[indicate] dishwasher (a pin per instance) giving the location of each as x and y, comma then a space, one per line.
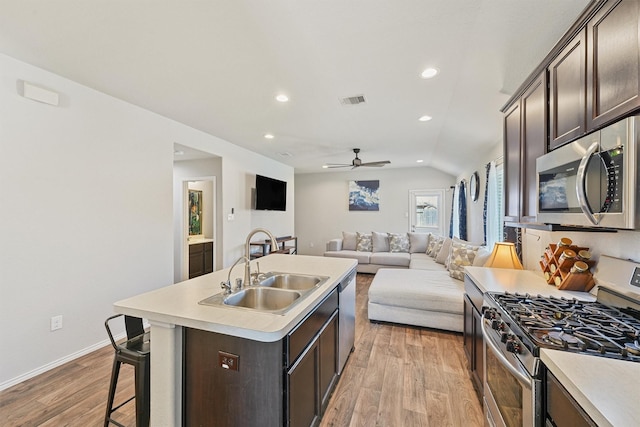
346, 318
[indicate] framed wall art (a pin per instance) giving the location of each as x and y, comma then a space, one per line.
364, 195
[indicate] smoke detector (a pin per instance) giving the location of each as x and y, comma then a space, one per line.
353, 100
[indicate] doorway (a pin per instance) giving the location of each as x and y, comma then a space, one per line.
427, 211
199, 226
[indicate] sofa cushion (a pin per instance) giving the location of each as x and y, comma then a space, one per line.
349, 240
363, 242
362, 257
400, 259
424, 290
424, 262
461, 256
379, 241
399, 242
482, 256
418, 242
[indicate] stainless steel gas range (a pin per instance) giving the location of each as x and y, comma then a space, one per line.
516, 327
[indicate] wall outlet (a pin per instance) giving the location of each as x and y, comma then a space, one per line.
228, 361
56, 322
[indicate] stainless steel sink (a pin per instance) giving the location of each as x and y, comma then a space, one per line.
265, 299
298, 282
276, 293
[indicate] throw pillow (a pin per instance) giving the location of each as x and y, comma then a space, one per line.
433, 241
442, 256
481, 257
363, 242
461, 256
437, 247
418, 242
399, 242
349, 241
380, 241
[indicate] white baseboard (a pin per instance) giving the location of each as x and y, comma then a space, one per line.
56, 363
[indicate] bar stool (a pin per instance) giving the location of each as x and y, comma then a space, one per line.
136, 352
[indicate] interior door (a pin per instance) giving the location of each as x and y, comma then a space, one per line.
427, 211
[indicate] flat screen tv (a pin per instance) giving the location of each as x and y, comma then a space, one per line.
271, 194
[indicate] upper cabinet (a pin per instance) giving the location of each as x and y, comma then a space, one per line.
525, 139
567, 93
613, 62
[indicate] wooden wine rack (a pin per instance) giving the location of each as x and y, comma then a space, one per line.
552, 267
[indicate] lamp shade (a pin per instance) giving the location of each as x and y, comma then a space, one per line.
504, 256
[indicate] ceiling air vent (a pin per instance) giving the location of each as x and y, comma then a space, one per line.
353, 100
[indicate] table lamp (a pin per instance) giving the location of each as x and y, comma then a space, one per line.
504, 256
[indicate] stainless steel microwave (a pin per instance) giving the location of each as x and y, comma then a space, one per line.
592, 182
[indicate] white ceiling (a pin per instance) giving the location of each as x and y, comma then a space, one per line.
217, 65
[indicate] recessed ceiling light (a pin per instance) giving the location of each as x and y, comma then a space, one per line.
285, 154
268, 136
325, 166
178, 153
425, 118
282, 98
419, 161
429, 73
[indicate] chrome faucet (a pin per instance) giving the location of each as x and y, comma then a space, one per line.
227, 285
247, 252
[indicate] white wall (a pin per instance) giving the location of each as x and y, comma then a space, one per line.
86, 216
322, 203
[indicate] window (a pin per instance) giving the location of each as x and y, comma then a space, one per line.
427, 213
495, 203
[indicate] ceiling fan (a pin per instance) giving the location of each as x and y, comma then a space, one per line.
357, 162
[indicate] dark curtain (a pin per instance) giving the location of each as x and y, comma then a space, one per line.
453, 195
462, 210
484, 209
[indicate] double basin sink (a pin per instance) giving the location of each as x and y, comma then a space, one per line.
275, 293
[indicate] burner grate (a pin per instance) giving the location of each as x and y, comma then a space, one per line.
573, 325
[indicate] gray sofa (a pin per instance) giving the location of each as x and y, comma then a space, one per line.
421, 287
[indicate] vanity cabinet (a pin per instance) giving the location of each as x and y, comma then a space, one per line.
282, 383
472, 334
200, 259
525, 139
613, 62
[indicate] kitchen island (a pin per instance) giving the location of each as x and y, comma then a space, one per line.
174, 309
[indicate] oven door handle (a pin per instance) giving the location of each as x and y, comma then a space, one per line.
523, 378
581, 184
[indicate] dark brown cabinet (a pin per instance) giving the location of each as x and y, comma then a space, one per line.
561, 409
525, 139
200, 259
567, 74
472, 334
312, 377
613, 62
282, 383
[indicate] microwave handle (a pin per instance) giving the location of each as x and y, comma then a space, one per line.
581, 184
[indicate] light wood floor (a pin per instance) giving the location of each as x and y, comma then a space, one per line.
397, 376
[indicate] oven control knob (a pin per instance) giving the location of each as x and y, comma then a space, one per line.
495, 324
504, 337
489, 314
513, 346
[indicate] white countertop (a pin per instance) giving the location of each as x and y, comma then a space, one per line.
195, 241
178, 304
519, 281
607, 389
